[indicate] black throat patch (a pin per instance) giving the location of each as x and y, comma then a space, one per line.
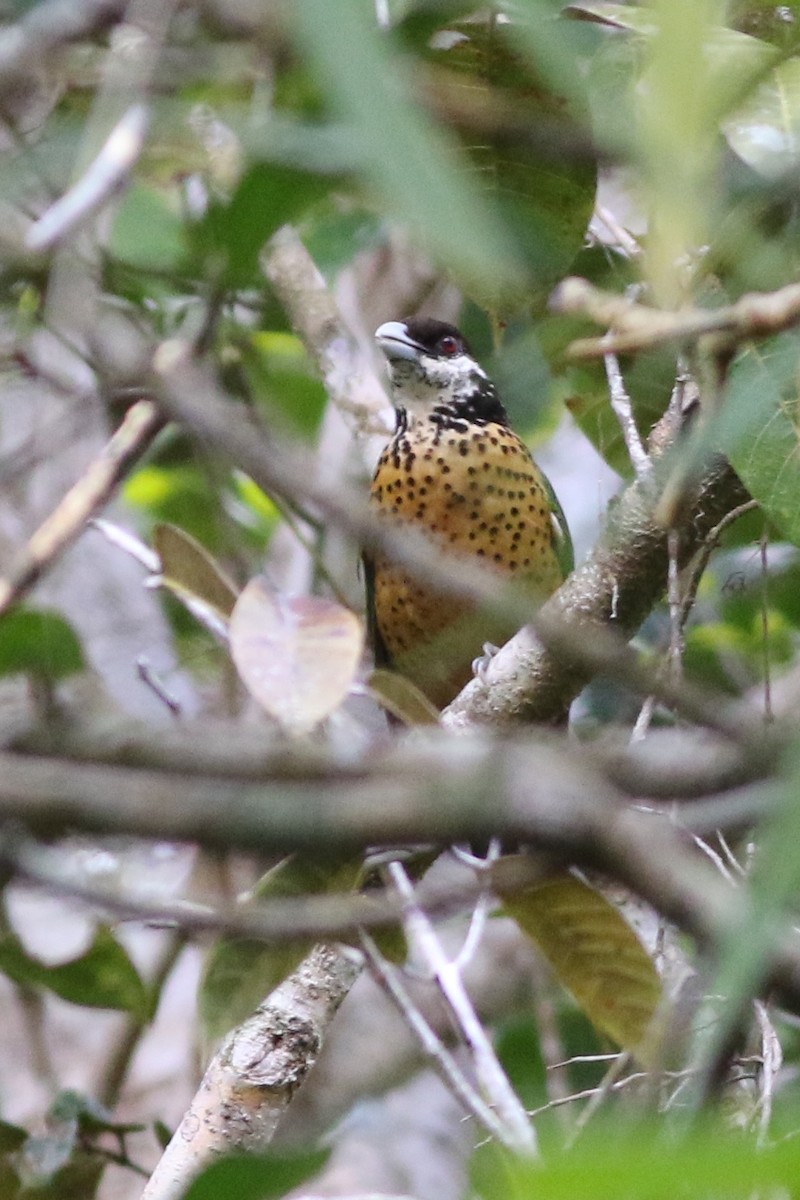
478, 406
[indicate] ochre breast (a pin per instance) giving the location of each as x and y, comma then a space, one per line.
479, 494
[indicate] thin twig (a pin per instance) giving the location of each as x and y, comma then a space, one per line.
278, 920
643, 720
481, 910
519, 1133
111, 1075
150, 678
608, 1084
388, 978
621, 404
676, 642
771, 1063
101, 180
128, 543
700, 562
769, 715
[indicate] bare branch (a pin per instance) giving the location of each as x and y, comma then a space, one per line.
315, 316
97, 185
141, 424
251, 1080
621, 404
637, 327
386, 975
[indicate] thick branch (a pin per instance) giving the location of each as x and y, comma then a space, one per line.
251, 1080
615, 589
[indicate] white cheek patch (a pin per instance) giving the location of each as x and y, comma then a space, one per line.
433, 381
453, 374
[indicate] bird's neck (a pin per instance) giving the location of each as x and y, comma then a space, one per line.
472, 401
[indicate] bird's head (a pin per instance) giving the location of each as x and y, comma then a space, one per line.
433, 373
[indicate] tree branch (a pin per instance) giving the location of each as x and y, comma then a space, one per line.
251, 1080
610, 594
94, 488
638, 327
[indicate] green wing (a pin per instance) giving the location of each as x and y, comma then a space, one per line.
379, 652
565, 551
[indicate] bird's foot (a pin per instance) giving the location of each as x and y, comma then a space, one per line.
480, 665
478, 858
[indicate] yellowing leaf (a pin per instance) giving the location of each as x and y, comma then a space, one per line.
189, 570
297, 655
595, 953
401, 698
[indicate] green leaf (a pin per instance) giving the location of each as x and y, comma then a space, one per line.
765, 129
415, 165
280, 375
594, 953
758, 429
11, 1137
401, 698
102, 977
229, 238
178, 494
92, 1117
545, 199
254, 1177
240, 972
148, 233
39, 642
610, 1164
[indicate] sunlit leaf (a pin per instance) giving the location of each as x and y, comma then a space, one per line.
765, 130
178, 494
102, 977
594, 953
609, 1163
297, 655
280, 376
39, 642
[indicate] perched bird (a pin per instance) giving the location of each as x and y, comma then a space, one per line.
456, 470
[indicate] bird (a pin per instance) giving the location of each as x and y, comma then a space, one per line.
455, 470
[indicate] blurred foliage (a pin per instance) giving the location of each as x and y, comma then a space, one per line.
482, 139
239, 971
40, 644
255, 1177
102, 977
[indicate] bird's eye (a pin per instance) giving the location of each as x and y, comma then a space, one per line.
449, 345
